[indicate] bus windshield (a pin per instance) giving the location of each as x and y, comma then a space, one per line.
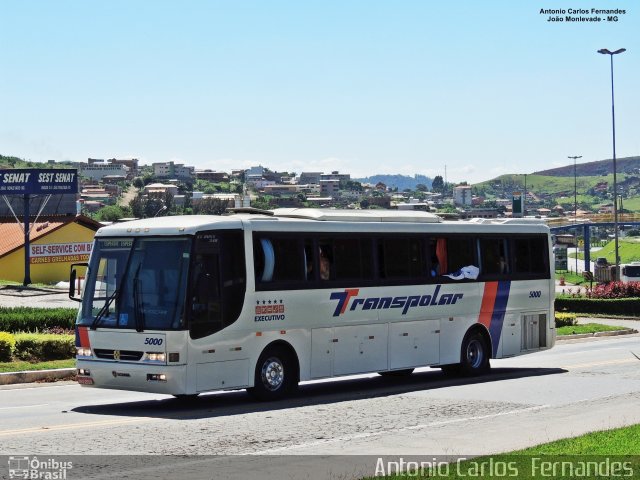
137, 283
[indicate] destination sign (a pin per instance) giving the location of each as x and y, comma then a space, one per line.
38, 181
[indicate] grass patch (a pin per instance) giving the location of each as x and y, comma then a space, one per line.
571, 277
587, 328
619, 441
628, 249
23, 366
620, 445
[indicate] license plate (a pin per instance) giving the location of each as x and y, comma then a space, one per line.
85, 380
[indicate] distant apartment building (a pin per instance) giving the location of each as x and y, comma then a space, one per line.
335, 175
131, 164
329, 188
96, 171
173, 170
211, 176
310, 178
159, 190
462, 195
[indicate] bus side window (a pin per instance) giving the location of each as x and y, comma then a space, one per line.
494, 256
278, 260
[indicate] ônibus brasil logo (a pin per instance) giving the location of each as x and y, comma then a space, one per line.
350, 295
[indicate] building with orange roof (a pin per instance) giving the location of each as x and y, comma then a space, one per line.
55, 243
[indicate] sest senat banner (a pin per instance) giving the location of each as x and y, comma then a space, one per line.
38, 181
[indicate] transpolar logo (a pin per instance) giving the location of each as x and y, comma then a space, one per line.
348, 299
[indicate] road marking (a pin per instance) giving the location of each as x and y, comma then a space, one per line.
25, 406
398, 430
599, 364
52, 428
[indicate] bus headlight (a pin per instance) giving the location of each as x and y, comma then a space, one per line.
83, 352
160, 357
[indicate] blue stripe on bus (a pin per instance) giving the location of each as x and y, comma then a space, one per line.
499, 310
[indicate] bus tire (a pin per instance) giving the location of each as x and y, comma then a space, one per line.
397, 373
275, 375
474, 358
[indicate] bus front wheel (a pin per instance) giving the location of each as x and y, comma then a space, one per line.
275, 375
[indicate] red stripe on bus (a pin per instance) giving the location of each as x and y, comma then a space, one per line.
350, 293
488, 302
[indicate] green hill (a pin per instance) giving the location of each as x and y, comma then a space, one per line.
628, 165
15, 162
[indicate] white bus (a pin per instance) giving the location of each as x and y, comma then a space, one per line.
630, 272
184, 305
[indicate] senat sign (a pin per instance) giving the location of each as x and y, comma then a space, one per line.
35, 181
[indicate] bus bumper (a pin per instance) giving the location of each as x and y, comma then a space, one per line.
168, 379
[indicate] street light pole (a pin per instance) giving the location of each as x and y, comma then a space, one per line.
575, 204
524, 197
575, 189
604, 51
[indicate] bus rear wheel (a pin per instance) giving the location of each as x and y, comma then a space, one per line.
275, 375
474, 359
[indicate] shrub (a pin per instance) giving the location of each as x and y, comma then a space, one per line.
607, 306
41, 347
565, 319
30, 319
7, 345
616, 290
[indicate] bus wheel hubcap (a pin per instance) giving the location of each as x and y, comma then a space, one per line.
272, 374
475, 354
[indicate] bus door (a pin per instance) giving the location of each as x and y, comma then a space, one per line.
217, 286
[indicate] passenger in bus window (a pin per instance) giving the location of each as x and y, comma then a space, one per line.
435, 266
502, 263
325, 264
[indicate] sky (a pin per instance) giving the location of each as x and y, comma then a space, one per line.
467, 89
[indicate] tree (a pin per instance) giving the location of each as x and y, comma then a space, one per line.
438, 184
138, 182
111, 213
146, 207
421, 187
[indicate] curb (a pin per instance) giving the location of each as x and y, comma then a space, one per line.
11, 378
612, 333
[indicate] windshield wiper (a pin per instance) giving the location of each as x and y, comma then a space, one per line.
139, 310
104, 309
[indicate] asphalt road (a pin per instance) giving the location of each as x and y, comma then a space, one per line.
577, 387
11, 296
